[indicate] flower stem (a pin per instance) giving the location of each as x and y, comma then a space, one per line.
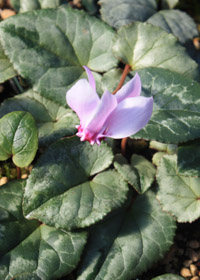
18, 172
123, 145
127, 69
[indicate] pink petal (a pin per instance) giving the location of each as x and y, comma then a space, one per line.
107, 104
130, 89
129, 117
83, 99
90, 77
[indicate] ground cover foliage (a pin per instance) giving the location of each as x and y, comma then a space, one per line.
88, 212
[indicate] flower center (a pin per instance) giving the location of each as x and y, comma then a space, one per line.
89, 136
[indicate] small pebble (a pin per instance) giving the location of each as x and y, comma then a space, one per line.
6, 13
194, 256
195, 278
187, 263
185, 272
194, 244
3, 181
194, 270
24, 176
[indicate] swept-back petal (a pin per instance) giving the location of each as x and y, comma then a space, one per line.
130, 89
129, 117
83, 99
90, 77
107, 104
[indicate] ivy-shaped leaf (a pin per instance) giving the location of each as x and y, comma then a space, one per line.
30, 251
122, 12
53, 121
18, 138
61, 192
49, 47
6, 69
178, 194
143, 45
176, 112
176, 22
47, 253
139, 173
127, 244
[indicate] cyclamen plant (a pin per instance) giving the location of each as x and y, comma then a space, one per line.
115, 116
72, 210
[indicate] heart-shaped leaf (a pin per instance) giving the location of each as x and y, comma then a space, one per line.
18, 138
176, 112
61, 192
168, 277
176, 22
49, 47
139, 173
178, 194
53, 121
29, 251
47, 253
143, 45
188, 159
13, 227
129, 243
176, 116
122, 12
6, 69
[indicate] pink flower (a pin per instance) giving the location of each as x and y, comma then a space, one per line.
116, 116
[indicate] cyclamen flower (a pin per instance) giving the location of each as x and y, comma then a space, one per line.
115, 116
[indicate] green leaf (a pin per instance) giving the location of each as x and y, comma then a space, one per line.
31, 5
53, 121
169, 4
139, 173
188, 159
47, 253
143, 45
128, 244
30, 252
49, 47
61, 192
18, 138
176, 22
168, 277
13, 227
90, 6
15, 4
6, 69
122, 12
176, 112
178, 194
